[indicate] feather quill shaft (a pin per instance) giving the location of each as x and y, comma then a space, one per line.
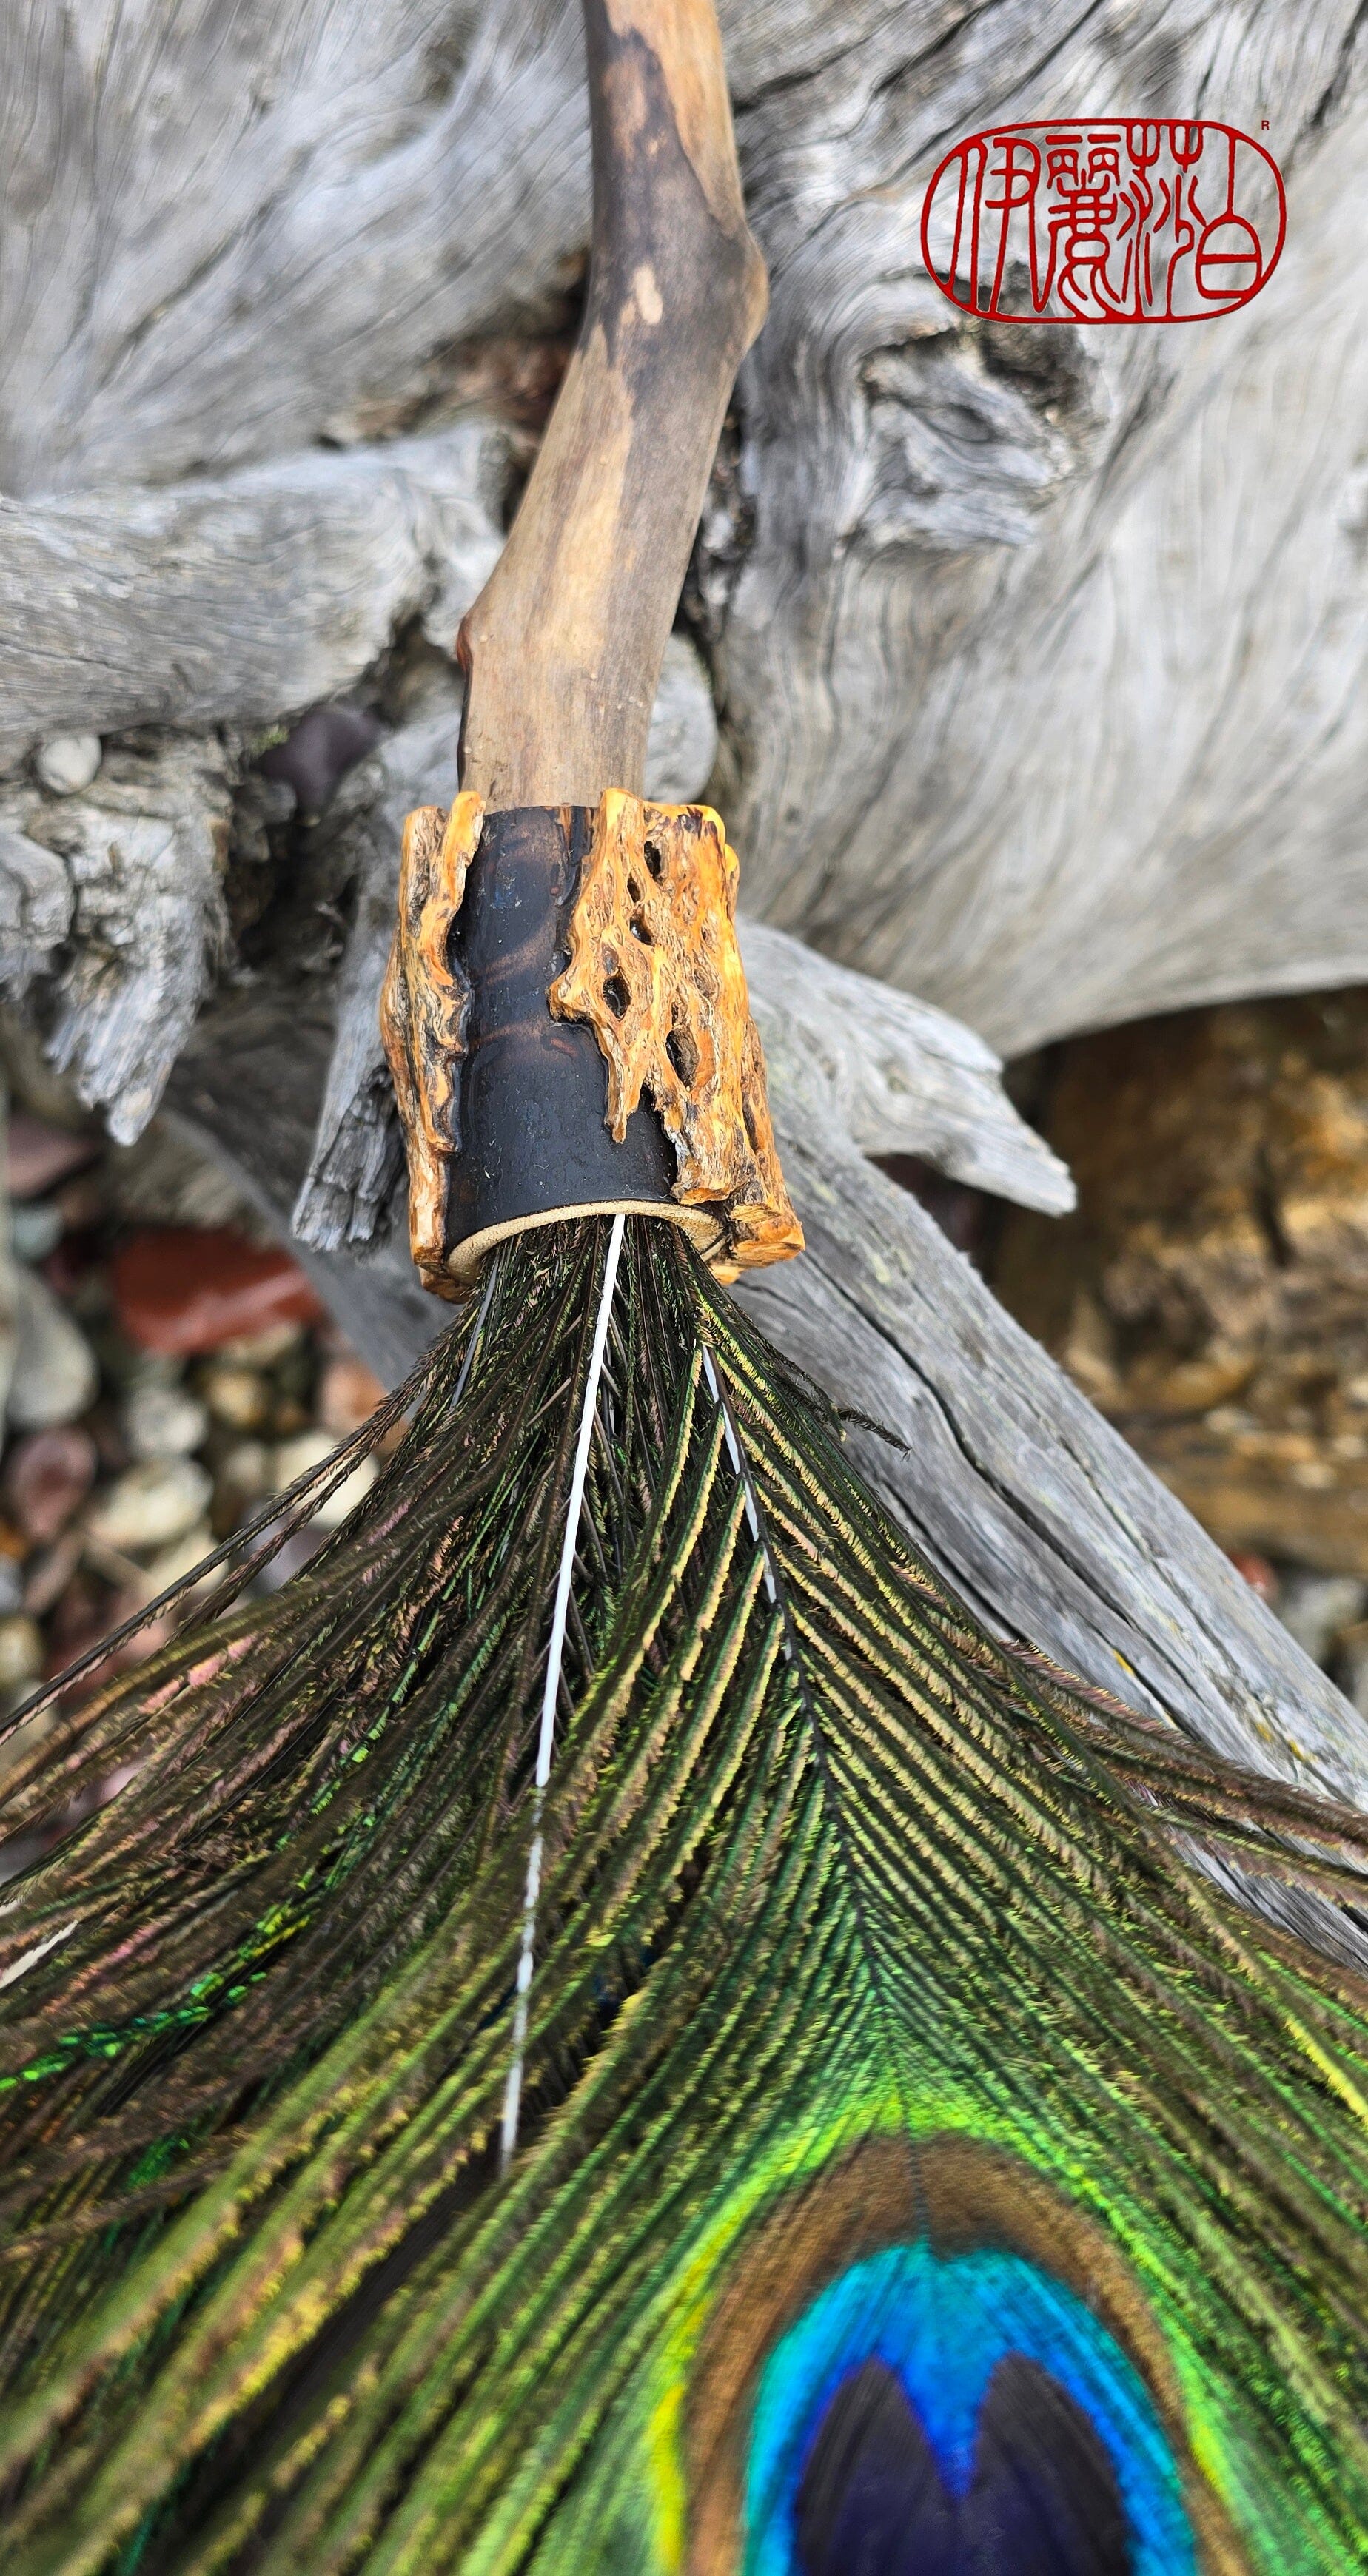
555, 1655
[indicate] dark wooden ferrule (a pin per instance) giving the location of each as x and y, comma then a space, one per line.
532, 1145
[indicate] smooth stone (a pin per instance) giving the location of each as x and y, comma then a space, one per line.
47, 1577
315, 757
48, 1475
38, 1155
67, 762
172, 1564
244, 1476
262, 1350
21, 1650
299, 1456
151, 1504
161, 1421
35, 1230
236, 1396
348, 1393
55, 1375
310, 1449
185, 1289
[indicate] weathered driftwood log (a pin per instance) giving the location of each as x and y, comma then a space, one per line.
230, 244
229, 240
235, 599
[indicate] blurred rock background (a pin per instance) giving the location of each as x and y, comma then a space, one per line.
1210, 1292
164, 1367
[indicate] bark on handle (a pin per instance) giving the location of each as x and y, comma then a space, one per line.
562, 649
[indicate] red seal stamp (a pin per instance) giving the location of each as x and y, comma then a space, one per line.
1104, 219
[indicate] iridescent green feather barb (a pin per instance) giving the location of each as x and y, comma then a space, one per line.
865, 1963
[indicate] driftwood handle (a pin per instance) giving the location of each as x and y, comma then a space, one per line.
555, 932
562, 649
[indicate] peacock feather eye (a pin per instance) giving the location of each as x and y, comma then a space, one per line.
1041, 2498
965, 2412
927, 2362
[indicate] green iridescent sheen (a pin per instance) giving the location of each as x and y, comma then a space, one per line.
823, 1863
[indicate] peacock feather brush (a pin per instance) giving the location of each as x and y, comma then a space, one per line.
609, 2026
825, 2118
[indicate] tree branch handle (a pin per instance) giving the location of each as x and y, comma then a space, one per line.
562, 649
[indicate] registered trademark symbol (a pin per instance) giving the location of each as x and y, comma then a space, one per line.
1263, 125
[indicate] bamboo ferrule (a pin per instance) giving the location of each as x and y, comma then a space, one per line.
567, 1023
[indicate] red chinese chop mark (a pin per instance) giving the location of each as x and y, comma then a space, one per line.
1108, 219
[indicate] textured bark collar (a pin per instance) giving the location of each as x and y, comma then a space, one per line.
569, 1031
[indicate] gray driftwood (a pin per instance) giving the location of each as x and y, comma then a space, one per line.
1038, 668
1039, 657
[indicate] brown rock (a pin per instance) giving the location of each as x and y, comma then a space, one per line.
1257, 1572
1211, 1291
47, 1478
183, 1288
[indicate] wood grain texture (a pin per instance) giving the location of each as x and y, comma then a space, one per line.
562, 650
238, 599
1017, 708
424, 1006
1091, 612
119, 893
655, 970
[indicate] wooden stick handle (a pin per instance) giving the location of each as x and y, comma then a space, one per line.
562, 649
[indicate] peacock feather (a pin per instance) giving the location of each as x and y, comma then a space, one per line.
612, 2028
